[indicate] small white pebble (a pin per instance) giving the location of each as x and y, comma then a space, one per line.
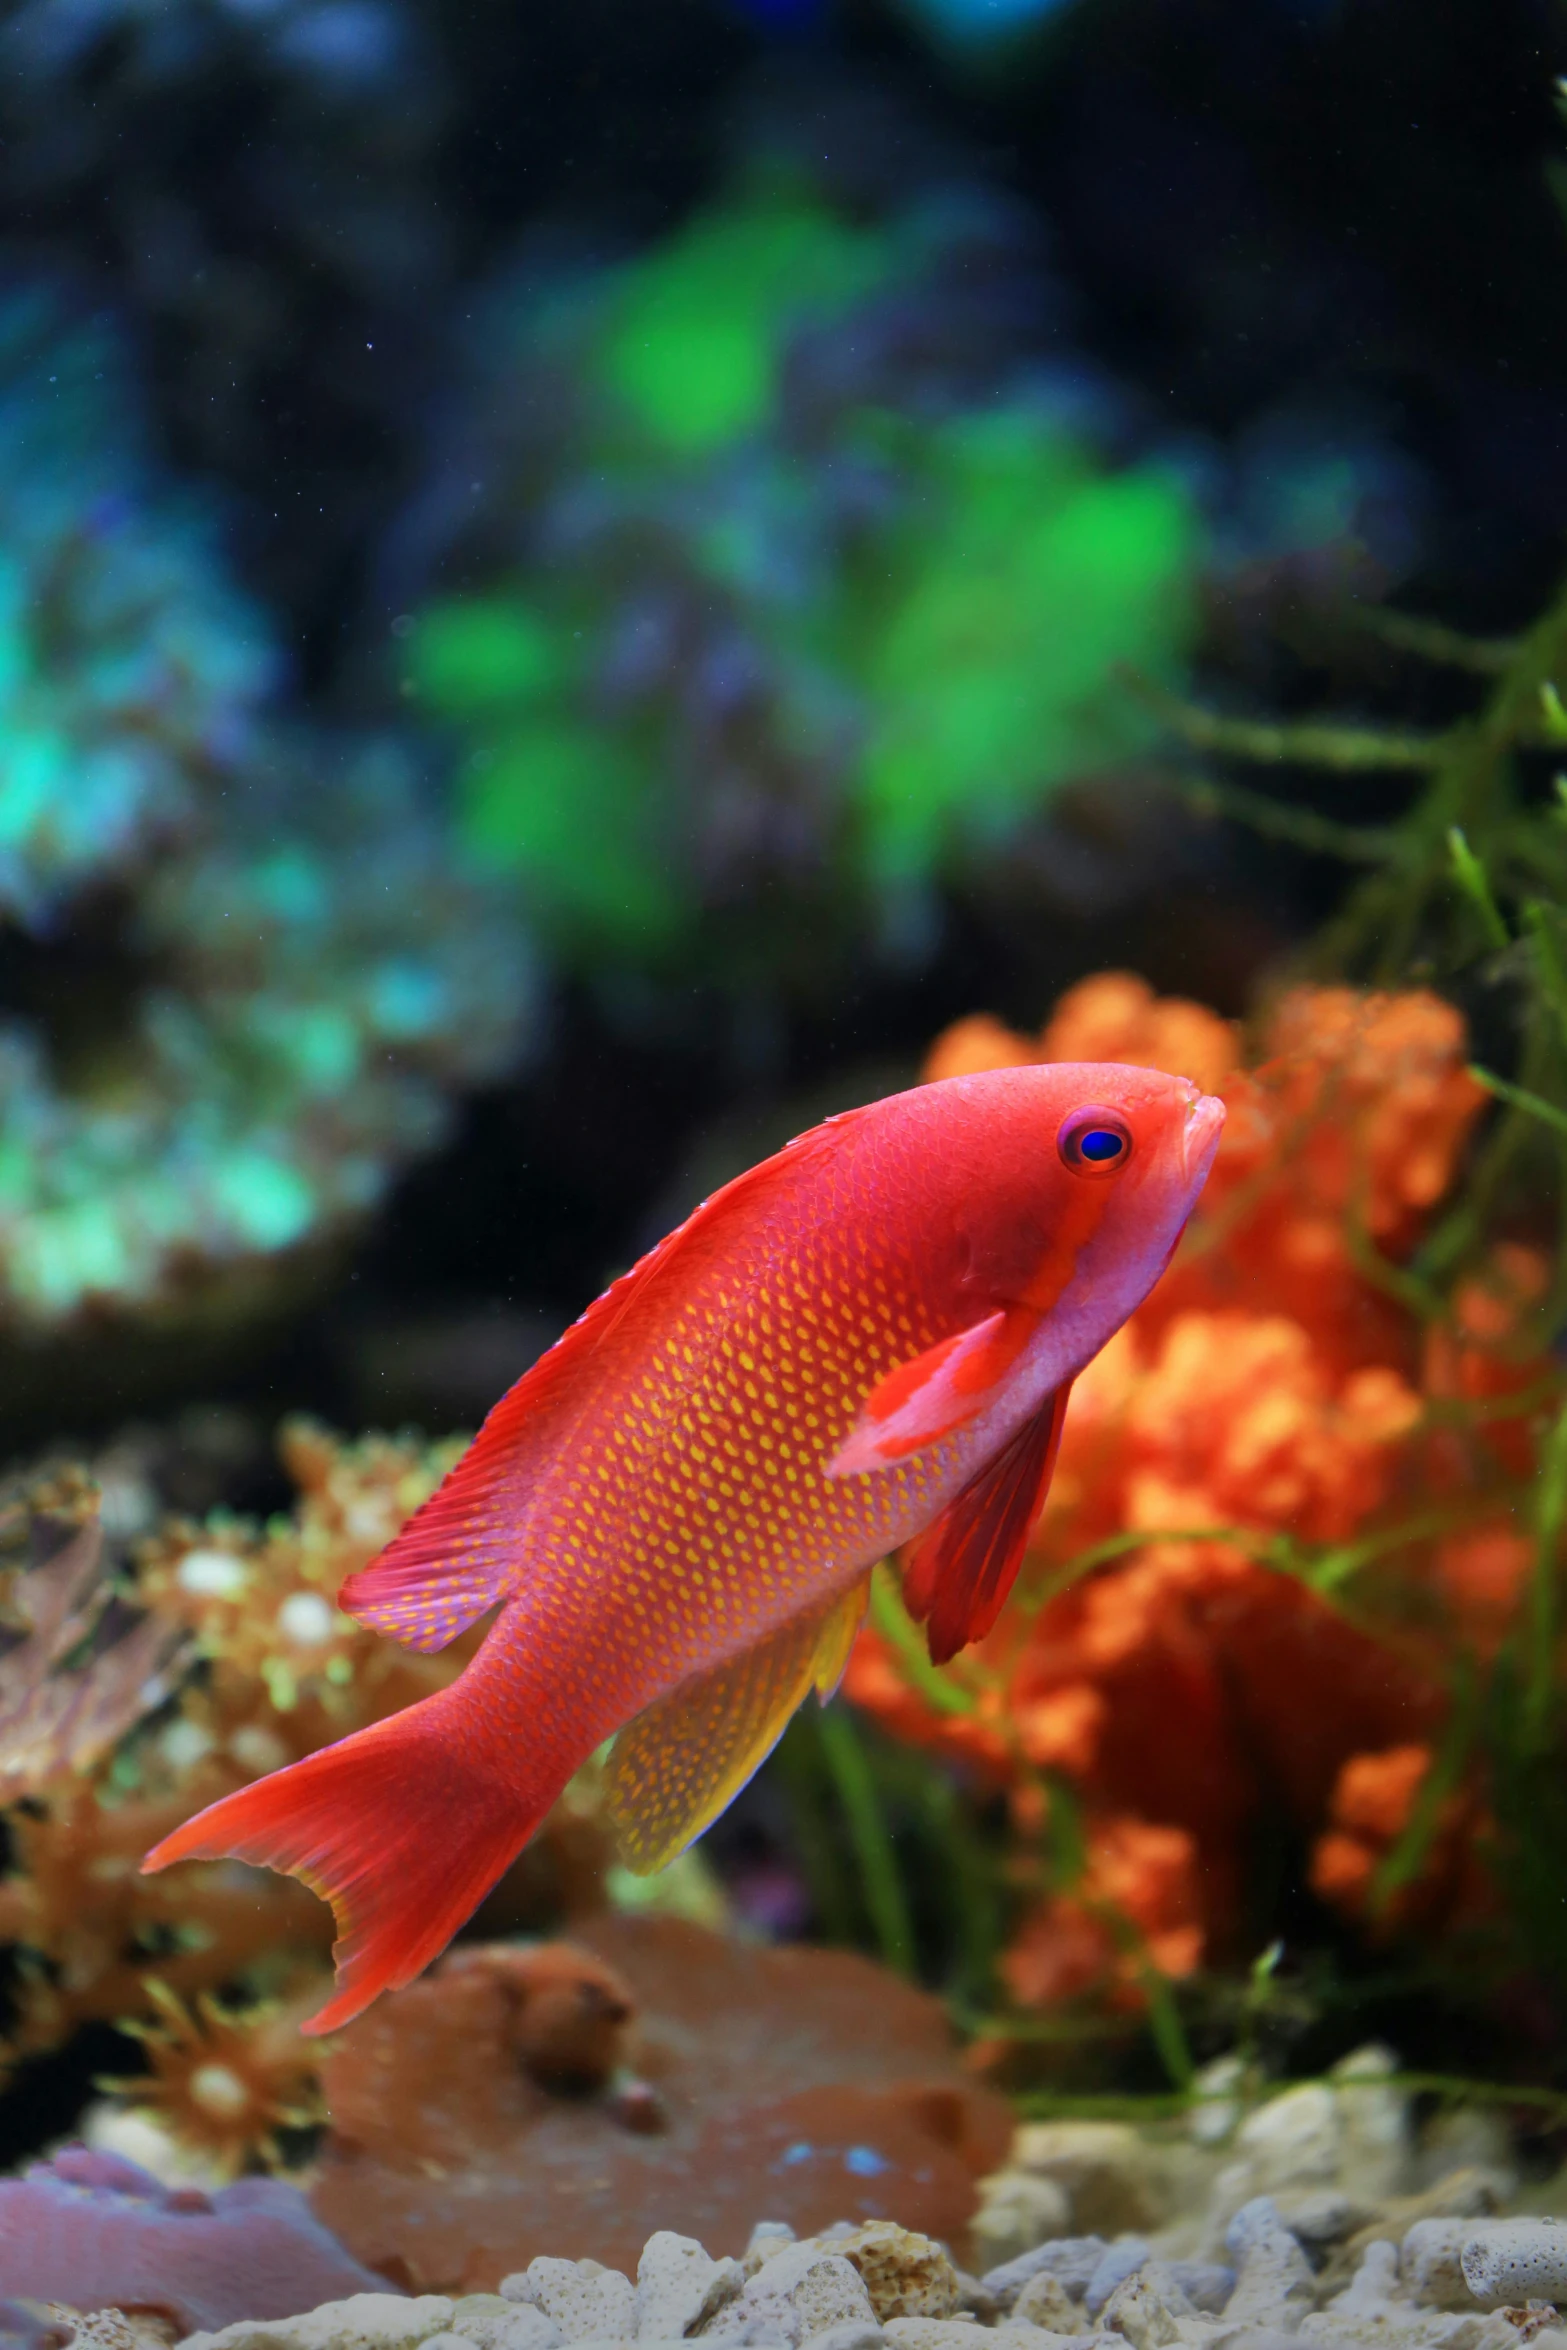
185, 1743
257, 1748
305, 1619
212, 1574
1517, 2260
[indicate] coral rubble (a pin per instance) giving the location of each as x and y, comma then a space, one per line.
800, 2084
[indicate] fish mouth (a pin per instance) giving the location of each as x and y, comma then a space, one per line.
1200, 1137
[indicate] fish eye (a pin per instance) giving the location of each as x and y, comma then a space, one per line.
1094, 1141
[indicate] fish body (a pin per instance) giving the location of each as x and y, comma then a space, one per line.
863, 1343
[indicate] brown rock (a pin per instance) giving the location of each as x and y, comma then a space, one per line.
568, 2011
796, 2084
905, 2275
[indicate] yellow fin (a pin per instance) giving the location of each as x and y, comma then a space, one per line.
674, 1768
840, 1629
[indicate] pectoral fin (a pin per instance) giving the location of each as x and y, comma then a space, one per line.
961, 1571
673, 1770
941, 1390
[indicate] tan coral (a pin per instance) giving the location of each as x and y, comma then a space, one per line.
226, 2082
87, 1927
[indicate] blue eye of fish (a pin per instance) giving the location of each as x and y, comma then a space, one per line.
1094, 1141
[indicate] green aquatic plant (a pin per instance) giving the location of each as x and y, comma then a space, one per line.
794, 595
1465, 885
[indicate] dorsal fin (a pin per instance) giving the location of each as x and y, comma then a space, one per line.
673, 1769
961, 1571
458, 1554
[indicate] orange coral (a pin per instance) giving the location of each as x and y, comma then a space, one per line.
1117, 1017
1138, 1875
1271, 1407
1373, 1801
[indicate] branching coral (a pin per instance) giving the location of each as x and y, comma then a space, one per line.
1284, 1502
275, 973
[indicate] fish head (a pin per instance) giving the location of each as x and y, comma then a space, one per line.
1097, 1167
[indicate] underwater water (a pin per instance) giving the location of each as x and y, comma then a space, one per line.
783, 1156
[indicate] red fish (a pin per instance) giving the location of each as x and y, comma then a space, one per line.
865, 1342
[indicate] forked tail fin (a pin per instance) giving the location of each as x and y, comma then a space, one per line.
402, 1828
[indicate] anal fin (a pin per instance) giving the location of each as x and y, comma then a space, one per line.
682, 1760
957, 1575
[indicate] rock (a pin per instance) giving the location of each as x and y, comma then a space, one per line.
806, 2085
1345, 2138
906, 2275
1535, 2322
1206, 2284
950, 2333
1115, 2265
1257, 2338
584, 2299
1143, 2314
1466, 2193
1393, 2325
1293, 2141
1468, 2138
365, 2321
1045, 2301
1274, 2286
853, 2336
1016, 2213
570, 2011
976, 2298
1324, 2218
767, 2237
680, 2287
1517, 2260
1109, 2175
1218, 2107
1376, 2158
1072, 2259
495, 2322
933, 2333
802, 2291
98, 2329
1374, 2283
1430, 2262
